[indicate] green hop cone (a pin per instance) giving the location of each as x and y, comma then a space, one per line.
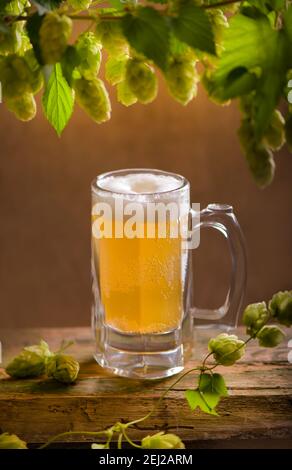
17, 76
275, 135
110, 34
281, 307
10, 39
182, 79
125, 95
115, 69
63, 368
54, 33
80, 4
13, 7
254, 317
24, 106
270, 336
288, 131
162, 441
89, 50
141, 80
11, 441
31, 362
93, 97
259, 159
226, 349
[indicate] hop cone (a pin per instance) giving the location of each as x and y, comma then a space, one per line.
270, 336
89, 51
162, 441
11, 441
63, 368
54, 33
275, 135
281, 307
141, 80
31, 362
111, 36
226, 349
254, 317
24, 107
182, 80
93, 98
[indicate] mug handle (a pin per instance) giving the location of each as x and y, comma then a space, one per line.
222, 218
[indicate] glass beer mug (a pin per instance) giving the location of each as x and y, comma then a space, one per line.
143, 311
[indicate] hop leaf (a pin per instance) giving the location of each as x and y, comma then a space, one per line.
141, 80
162, 441
63, 368
281, 307
274, 136
93, 98
226, 349
11, 441
270, 336
89, 50
255, 316
24, 107
31, 362
111, 36
182, 79
54, 33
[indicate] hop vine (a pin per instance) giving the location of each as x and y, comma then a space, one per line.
236, 49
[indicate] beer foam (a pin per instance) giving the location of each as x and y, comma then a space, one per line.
140, 183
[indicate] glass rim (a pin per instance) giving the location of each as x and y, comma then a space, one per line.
97, 189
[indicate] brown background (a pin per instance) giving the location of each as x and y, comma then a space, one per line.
45, 203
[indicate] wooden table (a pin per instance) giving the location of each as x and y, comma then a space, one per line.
258, 412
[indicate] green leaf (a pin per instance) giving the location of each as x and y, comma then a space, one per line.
192, 26
58, 100
252, 47
213, 383
197, 399
148, 33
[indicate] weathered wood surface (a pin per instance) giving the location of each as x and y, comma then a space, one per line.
259, 406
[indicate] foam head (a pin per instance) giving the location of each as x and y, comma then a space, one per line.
140, 183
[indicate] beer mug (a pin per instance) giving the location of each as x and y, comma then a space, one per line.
143, 311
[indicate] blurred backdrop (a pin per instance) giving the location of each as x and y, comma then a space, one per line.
45, 203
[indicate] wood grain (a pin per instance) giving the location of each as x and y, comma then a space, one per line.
259, 406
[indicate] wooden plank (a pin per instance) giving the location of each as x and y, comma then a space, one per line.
259, 405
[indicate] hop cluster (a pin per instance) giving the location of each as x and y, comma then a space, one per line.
93, 98
89, 51
162, 441
182, 79
63, 368
254, 317
111, 36
54, 33
31, 362
281, 307
11, 441
141, 80
226, 349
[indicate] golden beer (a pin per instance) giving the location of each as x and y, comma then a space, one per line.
140, 282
